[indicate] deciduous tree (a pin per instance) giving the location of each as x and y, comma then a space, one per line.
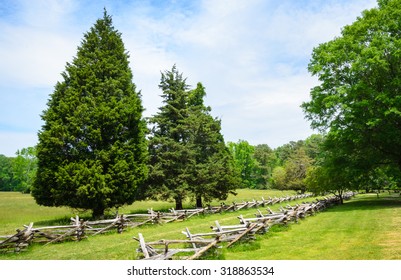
243, 154
358, 98
24, 168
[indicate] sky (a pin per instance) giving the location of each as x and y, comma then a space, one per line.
250, 55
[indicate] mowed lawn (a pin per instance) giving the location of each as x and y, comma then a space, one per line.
17, 209
365, 227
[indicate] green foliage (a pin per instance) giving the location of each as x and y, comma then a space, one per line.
282, 168
295, 170
243, 154
284, 152
266, 160
358, 97
278, 179
336, 173
92, 148
18, 173
292, 174
188, 156
214, 174
170, 152
6, 173
24, 169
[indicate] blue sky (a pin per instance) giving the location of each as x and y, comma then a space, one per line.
251, 55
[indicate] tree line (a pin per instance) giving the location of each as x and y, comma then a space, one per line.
17, 173
284, 167
256, 166
292, 166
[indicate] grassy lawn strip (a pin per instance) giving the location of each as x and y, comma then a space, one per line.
18, 209
365, 227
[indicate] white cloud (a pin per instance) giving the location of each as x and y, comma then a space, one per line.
33, 57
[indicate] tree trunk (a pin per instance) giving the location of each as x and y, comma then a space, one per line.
178, 203
98, 213
199, 202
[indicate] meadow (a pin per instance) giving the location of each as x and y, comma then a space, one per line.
364, 228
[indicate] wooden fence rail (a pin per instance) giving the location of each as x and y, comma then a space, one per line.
245, 230
80, 229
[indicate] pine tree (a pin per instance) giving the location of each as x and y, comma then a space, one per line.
188, 156
92, 151
170, 156
214, 174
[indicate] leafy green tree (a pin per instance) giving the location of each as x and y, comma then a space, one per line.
284, 152
24, 168
313, 146
295, 170
358, 98
278, 179
336, 175
6, 174
92, 151
266, 160
380, 178
245, 162
292, 174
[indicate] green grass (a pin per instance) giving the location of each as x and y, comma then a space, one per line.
17, 209
365, 227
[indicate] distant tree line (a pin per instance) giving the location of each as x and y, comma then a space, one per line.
284, 167
17, 173
297, 165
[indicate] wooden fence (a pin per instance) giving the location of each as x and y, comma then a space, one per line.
80, 229
200, 243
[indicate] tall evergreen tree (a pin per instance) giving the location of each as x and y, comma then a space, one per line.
92, 151
170, 154
188, 157
214, 174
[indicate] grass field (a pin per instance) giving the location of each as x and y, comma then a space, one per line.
364, 228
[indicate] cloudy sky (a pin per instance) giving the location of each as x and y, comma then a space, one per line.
251, 55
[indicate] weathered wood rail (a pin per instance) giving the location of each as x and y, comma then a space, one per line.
80, 229
245, 230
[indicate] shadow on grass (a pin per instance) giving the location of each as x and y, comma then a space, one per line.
368, 202
54, 222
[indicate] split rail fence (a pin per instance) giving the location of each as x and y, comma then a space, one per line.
80, 229
200, 243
